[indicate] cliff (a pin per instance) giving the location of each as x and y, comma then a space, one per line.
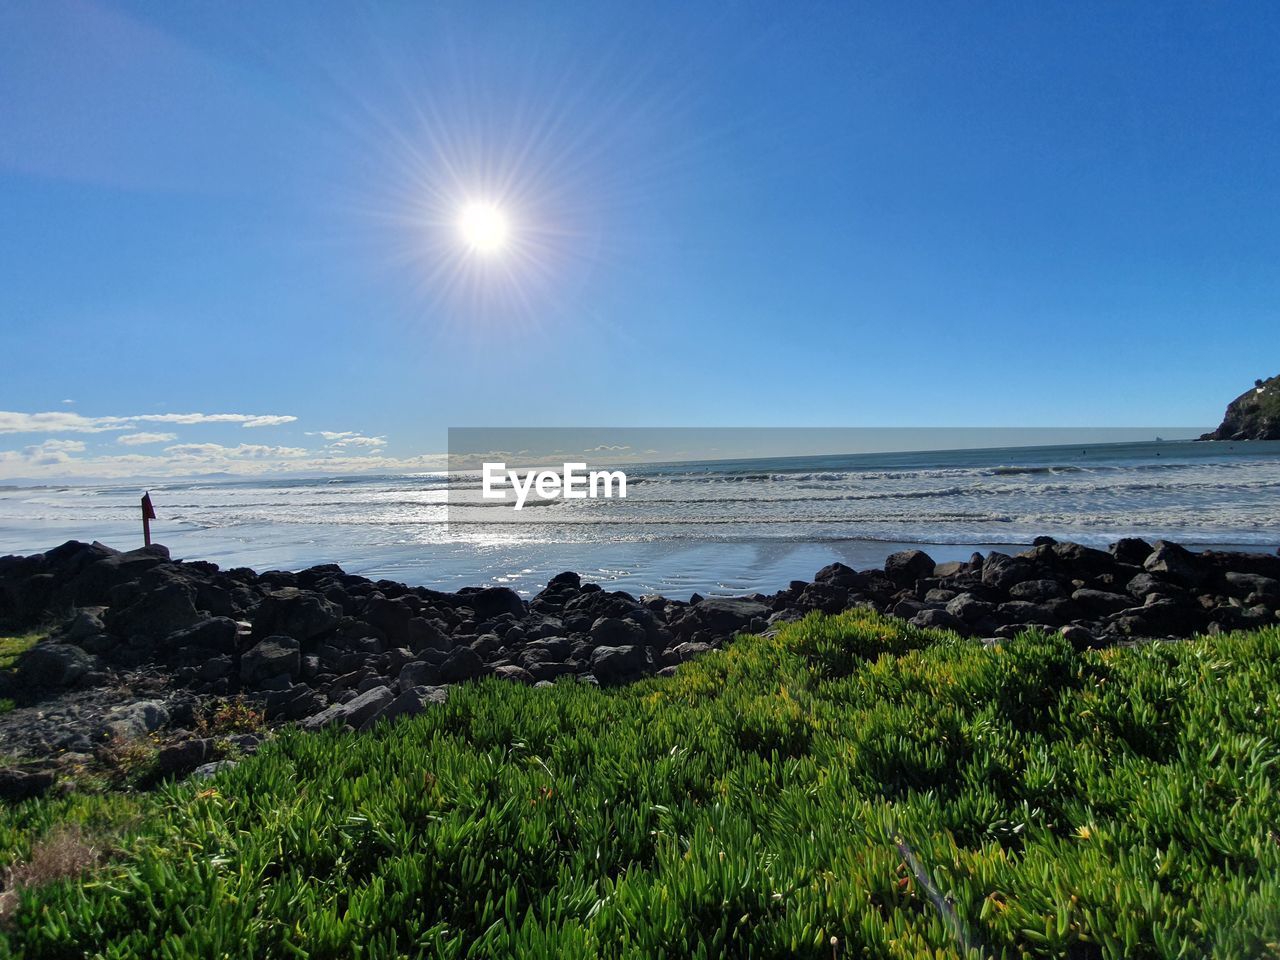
1254, 415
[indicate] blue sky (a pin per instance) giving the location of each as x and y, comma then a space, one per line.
852, 214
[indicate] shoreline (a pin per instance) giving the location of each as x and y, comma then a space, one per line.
133, 645
673, 568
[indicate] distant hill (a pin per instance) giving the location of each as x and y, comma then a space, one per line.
1254, 415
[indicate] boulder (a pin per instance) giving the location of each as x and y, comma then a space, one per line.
969, 608
1247, 584
219, 634
838, 575
390, 618
1037, 591
492, 602
133, 721
295, 613
615, 632
907, 566
55, 665
1131, 550
156, 613
461, 665
272, 657
355, 713
184, 756
513, 673
413, 701
1001, 571
1175, 563
1100, 602
688, 650
728, 615
939, 620
425, 635
17, 785
620, 664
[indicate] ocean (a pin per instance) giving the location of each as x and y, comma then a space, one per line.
726, 527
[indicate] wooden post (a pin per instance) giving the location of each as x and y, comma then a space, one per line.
148, 514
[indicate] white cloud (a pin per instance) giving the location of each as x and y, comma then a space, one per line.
53, 423
244, 419
341, 439
61, 446
358, 441
253, 451
50, 453
332, 434
607, 448
65, 422
135, 439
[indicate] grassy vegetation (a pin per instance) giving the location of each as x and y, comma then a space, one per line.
12, 649
852, 787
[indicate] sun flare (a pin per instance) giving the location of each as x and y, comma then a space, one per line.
484, 227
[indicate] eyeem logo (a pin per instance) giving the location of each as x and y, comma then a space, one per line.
575, 482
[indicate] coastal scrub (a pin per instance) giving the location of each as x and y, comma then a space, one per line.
851, 786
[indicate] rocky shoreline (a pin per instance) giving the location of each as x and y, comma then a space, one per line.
141, 648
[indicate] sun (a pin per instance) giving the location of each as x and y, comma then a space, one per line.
484, 227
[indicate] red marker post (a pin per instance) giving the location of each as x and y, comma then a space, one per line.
148, 514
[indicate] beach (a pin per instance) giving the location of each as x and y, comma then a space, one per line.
729, 527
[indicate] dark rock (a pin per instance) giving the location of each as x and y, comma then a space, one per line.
838, 575
940, 620
18, 785
219, 634
272, 657
620, 664
682, 652
425, 635
207, 770
183, 757
1175, 563
419, 673
413, 701
292, 703
513, 673
907, 609
390, 618
1001, 571
1100, 602
1143, 584
133, 721
1131, 550
156, 613
907, 566
295, 613
1159, 618
355, 713
461, 665
612, 632
1245, 584
492, 602
727, 615
215, 668
1078, 636
1023, 612
54, 665
1037, 591
970, 609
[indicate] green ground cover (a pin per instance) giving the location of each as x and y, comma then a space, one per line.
850, 787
